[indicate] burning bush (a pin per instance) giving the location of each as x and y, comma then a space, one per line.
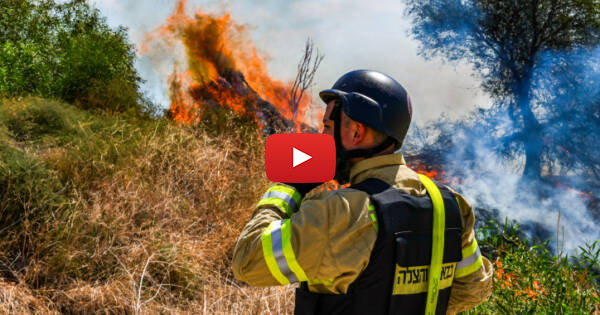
223, 69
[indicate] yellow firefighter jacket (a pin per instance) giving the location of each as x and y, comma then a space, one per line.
326, 239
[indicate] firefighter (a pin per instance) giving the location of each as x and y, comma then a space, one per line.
394, 242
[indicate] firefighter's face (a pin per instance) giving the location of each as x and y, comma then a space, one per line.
351, 132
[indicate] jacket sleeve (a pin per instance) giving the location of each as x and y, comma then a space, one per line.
325, 243
248, 262
473, 276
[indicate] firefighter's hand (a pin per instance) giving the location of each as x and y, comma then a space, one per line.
303, 188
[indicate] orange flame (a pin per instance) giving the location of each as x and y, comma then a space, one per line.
332, 185
216, 47
429, 172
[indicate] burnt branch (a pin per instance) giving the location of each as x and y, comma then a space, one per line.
307, 68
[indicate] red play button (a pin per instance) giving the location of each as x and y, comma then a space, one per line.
300, 158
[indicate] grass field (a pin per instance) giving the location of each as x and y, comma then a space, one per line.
108, 213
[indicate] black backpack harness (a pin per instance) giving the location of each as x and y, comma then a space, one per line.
411, 267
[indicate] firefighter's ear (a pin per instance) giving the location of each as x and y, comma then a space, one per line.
359, 133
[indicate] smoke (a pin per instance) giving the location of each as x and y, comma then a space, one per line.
568, 101
491, 182
481, 163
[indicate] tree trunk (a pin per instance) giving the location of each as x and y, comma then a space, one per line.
533, 150
532, 130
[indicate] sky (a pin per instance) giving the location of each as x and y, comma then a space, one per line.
352, 34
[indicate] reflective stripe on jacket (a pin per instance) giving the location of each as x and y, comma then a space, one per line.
328, 241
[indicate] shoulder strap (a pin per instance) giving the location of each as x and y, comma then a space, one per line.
437, 252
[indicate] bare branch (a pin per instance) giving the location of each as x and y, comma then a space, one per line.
307, 68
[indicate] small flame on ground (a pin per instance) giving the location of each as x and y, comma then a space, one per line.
431, 173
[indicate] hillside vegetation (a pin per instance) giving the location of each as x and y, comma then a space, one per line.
107, 213
102, 213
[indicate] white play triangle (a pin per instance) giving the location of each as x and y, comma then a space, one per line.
299, 157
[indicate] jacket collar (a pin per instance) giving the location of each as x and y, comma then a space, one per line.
375, 162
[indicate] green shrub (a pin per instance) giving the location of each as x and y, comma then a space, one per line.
24, 69
48, 122
68, 51
529, 279
33, 123
27, 188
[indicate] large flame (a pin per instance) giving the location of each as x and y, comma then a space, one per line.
223, 66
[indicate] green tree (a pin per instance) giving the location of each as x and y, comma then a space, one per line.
506, 41
67, 51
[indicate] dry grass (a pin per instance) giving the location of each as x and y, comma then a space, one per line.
16, 299
146, 221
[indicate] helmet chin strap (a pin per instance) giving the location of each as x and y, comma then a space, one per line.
343, 156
